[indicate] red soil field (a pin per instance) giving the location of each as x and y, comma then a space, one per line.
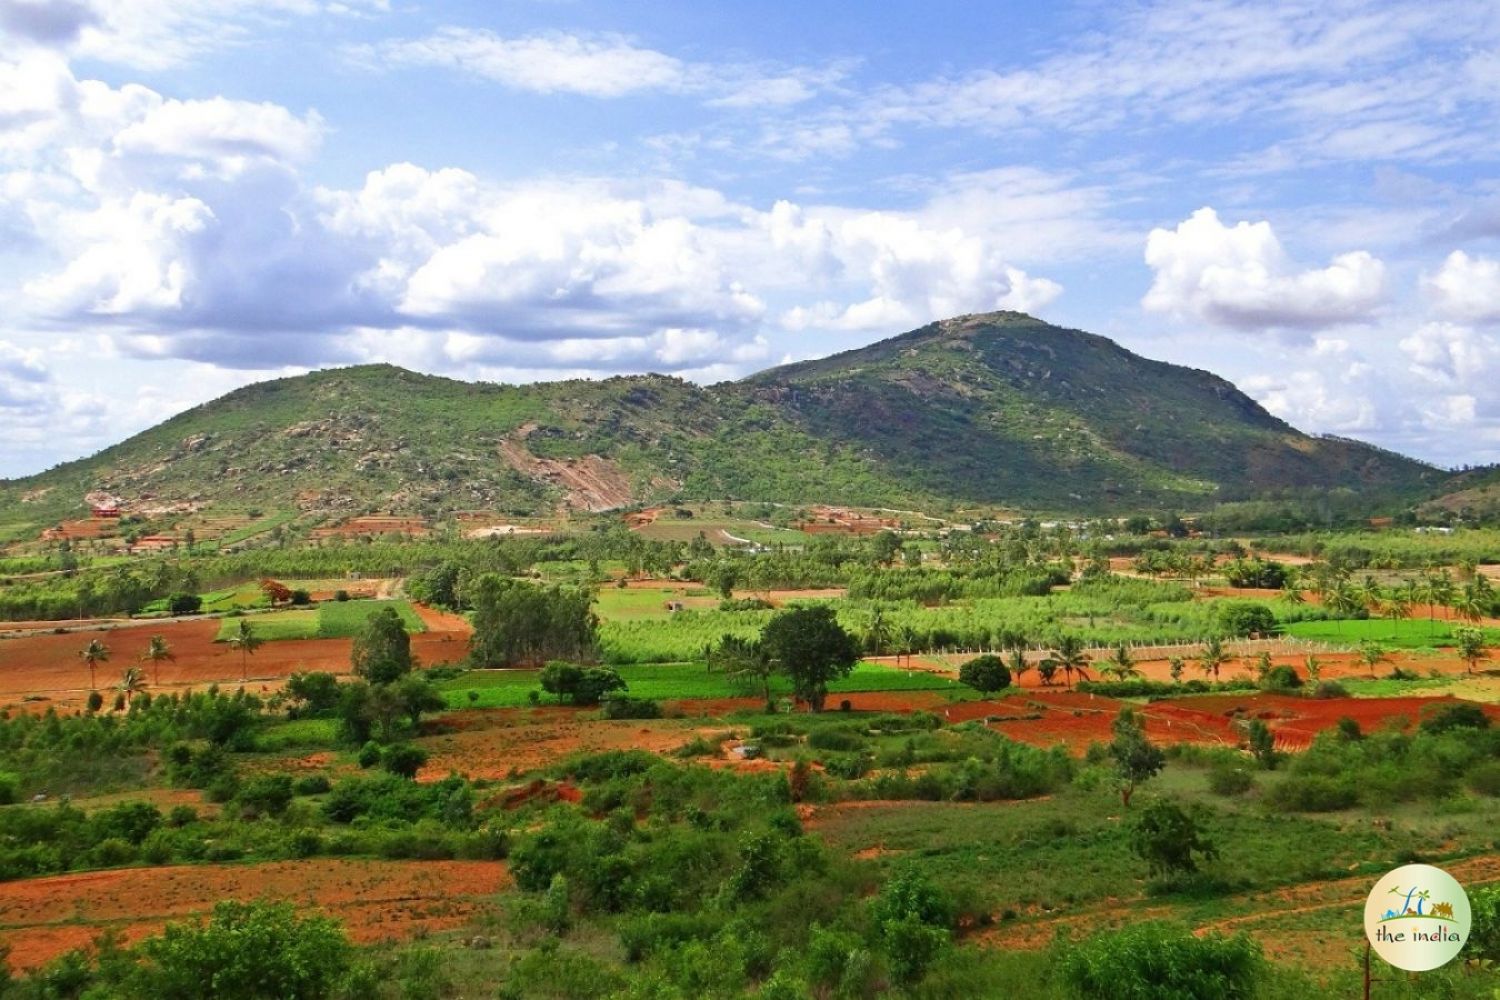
48, 665
374, 526
375, 900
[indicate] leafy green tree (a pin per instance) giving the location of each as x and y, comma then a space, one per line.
92, 655
417, 696
1136, 758
1167, 837
403, 759
913, 920
245, 951
1372, 654
521, 624
1471, 646
382, 649
1243, 618
985, 674
810, 646
1158, 961
317, 691
1262, 744
1121, 664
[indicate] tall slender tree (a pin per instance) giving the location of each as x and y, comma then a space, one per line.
94, 654
157, 650
247, 642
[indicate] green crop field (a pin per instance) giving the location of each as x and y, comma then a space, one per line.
331, 620
677, 681
1403, 633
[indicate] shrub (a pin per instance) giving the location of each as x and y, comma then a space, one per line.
1167, 837
184, 604
1152, 960
1312, 793
620, 706
311, 784
369, 754
301, 597
10, 788
1243, 618
985, 674
1281, 677
267, 793
341, 595
1484, 778
403, 759
1330, 689
1463, 715
1230, 781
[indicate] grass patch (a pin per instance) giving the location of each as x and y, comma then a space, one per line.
344, 619
674, 681
274, 626
1404, 633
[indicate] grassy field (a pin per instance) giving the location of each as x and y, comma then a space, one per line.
671, 681
637, 603
333, 620
1403, 633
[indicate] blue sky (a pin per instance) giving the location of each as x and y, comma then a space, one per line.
1302, 198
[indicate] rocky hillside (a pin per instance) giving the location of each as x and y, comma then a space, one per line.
998, 408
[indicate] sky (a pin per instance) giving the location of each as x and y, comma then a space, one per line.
198, 194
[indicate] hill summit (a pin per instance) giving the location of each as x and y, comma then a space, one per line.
997, 408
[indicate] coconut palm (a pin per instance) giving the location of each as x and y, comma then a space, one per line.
878, 635
1069, 657
157, 650
1437, 589
1017, 665
94, 654
246, 641
1214, 657
1121, 665
1470, 602
132, 683
1371, 594
1291, 591
907, 636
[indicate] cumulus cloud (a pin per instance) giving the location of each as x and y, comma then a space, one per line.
1466, 288
1450, 353
1240, 277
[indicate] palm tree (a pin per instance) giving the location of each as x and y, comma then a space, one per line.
1214, 657
157, 651
878, 636
1263, 667
1372, 654
94, 654
1398, 605
1068, 656
1437, 589
1470, 602
908, 638
1313, 667
1017, 665
1371, 594
1291, 591
247, 642
133, 683
1342, 600
1121, 666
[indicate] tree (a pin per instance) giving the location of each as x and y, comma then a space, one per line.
1137, 759
1017, 664
246, 951
382, 649
403, 759
94, 654
878, 636
1214, 657
906, 635
1174, 669
317, 691
417, 695
1262, 744
276, 593
1167, 837
1046, 669
157, 650
1372, 654
1314, 668
810, 646
1068, 656
744, 663
184, 604
132, 683
247, 642
1471, 646
985, 674
580, 685
1151, 961
520, 624
1121, 664
913, 920
884, 548
1243, 618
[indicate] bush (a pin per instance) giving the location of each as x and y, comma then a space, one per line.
266, 794
369, 754
1463, 715
1484, 778
985, 674
311, 784
1312, 793
10, 788
184, 604
1151, 960
341, 595
1330, 689
1243, 618
1281, 677
403, 759
1230, 781
301, 598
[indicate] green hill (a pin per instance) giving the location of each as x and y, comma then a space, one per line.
998, 408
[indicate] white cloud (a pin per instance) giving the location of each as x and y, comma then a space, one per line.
1240, 277
220, 129
1313, 401
1466, 288
1450, 353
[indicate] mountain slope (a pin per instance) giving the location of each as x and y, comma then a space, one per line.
997, 408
